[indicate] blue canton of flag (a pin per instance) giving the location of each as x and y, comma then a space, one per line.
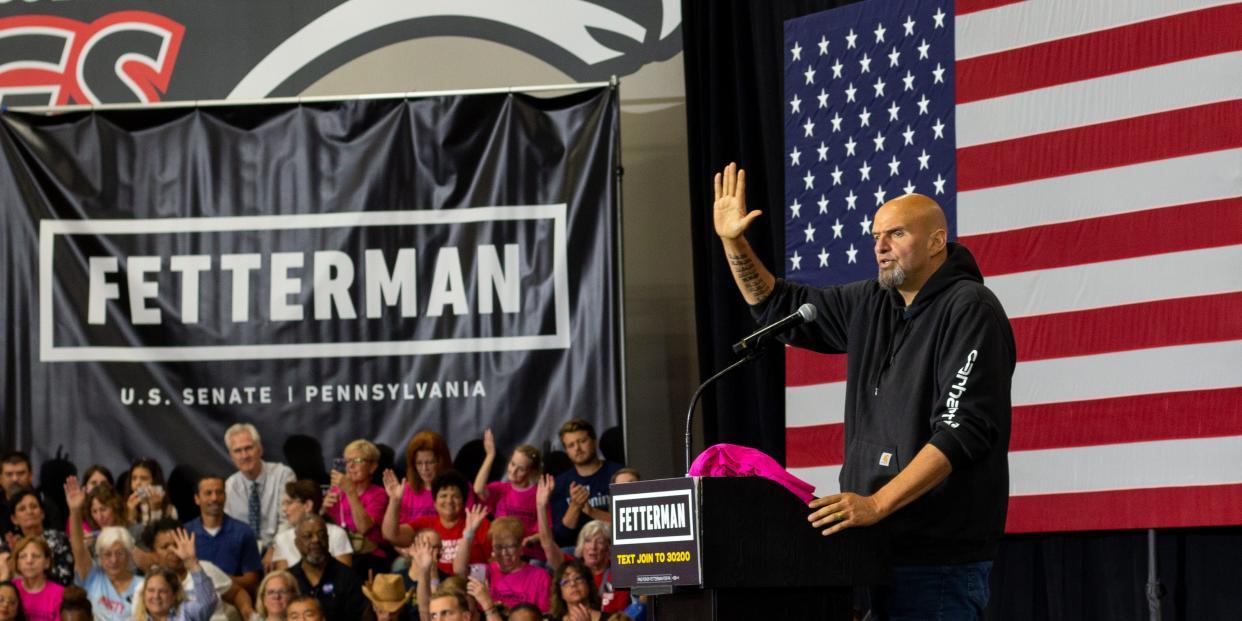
868, 117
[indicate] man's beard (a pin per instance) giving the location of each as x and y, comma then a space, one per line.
316, 557
893, 277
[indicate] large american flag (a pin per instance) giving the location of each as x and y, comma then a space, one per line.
1089, 154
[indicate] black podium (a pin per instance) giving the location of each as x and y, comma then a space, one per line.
717, 548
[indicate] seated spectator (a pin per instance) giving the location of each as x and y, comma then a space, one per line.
26, 513
75, 606
516, 496
103, 508
574, 595
255, 490
318, 574
223, 541
594, 550
16, 475
450, 604
145, 497
357, 505
478, 591
165, 538
10, 599
525, 612
626, 475
389, 596
510, 579
275, 592
581, 493
423, 555
95, 476
426, 456
40, 595
163, 594
300, 498
449, 489
429, 540
109, 583
304, 608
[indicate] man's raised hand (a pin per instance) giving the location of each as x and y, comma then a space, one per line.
730, 207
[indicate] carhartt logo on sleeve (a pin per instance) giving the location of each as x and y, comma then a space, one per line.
886, 458
955, 393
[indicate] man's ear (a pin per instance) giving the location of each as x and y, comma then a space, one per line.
938, 241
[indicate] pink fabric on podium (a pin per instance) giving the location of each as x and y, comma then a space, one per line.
731, 460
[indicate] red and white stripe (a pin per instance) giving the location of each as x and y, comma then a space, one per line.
1100, 187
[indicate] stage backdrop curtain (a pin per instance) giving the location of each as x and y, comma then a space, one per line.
734, 106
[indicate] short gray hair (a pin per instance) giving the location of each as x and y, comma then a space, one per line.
237, 428
306, 517
592, 528
112, 535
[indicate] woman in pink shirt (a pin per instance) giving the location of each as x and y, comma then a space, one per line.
426, 456
515, 497
510, 579
362, 509
40, 596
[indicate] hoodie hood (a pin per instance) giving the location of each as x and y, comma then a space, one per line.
958, 265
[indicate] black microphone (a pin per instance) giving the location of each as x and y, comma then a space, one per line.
805, 314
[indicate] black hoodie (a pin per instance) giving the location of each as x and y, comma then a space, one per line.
938, 371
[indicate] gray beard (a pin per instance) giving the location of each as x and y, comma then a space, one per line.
316, 558
894, 277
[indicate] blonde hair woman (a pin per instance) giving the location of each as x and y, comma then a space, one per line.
275, 592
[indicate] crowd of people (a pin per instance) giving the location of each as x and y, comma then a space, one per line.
370, 544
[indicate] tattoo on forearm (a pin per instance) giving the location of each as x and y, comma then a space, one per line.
748, 276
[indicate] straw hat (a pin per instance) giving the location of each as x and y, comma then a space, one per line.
386, 591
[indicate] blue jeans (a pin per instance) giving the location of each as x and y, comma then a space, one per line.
934, 593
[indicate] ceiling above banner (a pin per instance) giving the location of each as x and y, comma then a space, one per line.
76, 52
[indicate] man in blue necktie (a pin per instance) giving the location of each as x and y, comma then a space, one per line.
254, 492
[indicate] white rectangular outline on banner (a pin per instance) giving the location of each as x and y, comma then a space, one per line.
49, 229
676, 492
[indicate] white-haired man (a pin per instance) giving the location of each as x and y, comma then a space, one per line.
253, 493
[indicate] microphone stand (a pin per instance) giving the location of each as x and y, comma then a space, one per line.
751, 353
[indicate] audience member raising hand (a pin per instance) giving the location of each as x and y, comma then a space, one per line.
450, 522
512, 580
516, 496
109, 584
163, 598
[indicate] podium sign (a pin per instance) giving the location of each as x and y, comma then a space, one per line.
655, 534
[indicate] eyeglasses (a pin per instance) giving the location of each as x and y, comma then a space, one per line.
572, 580
505, 549
356, 461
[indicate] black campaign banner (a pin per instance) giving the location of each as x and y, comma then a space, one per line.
358, 269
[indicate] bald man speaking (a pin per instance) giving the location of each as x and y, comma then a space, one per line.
927, 406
